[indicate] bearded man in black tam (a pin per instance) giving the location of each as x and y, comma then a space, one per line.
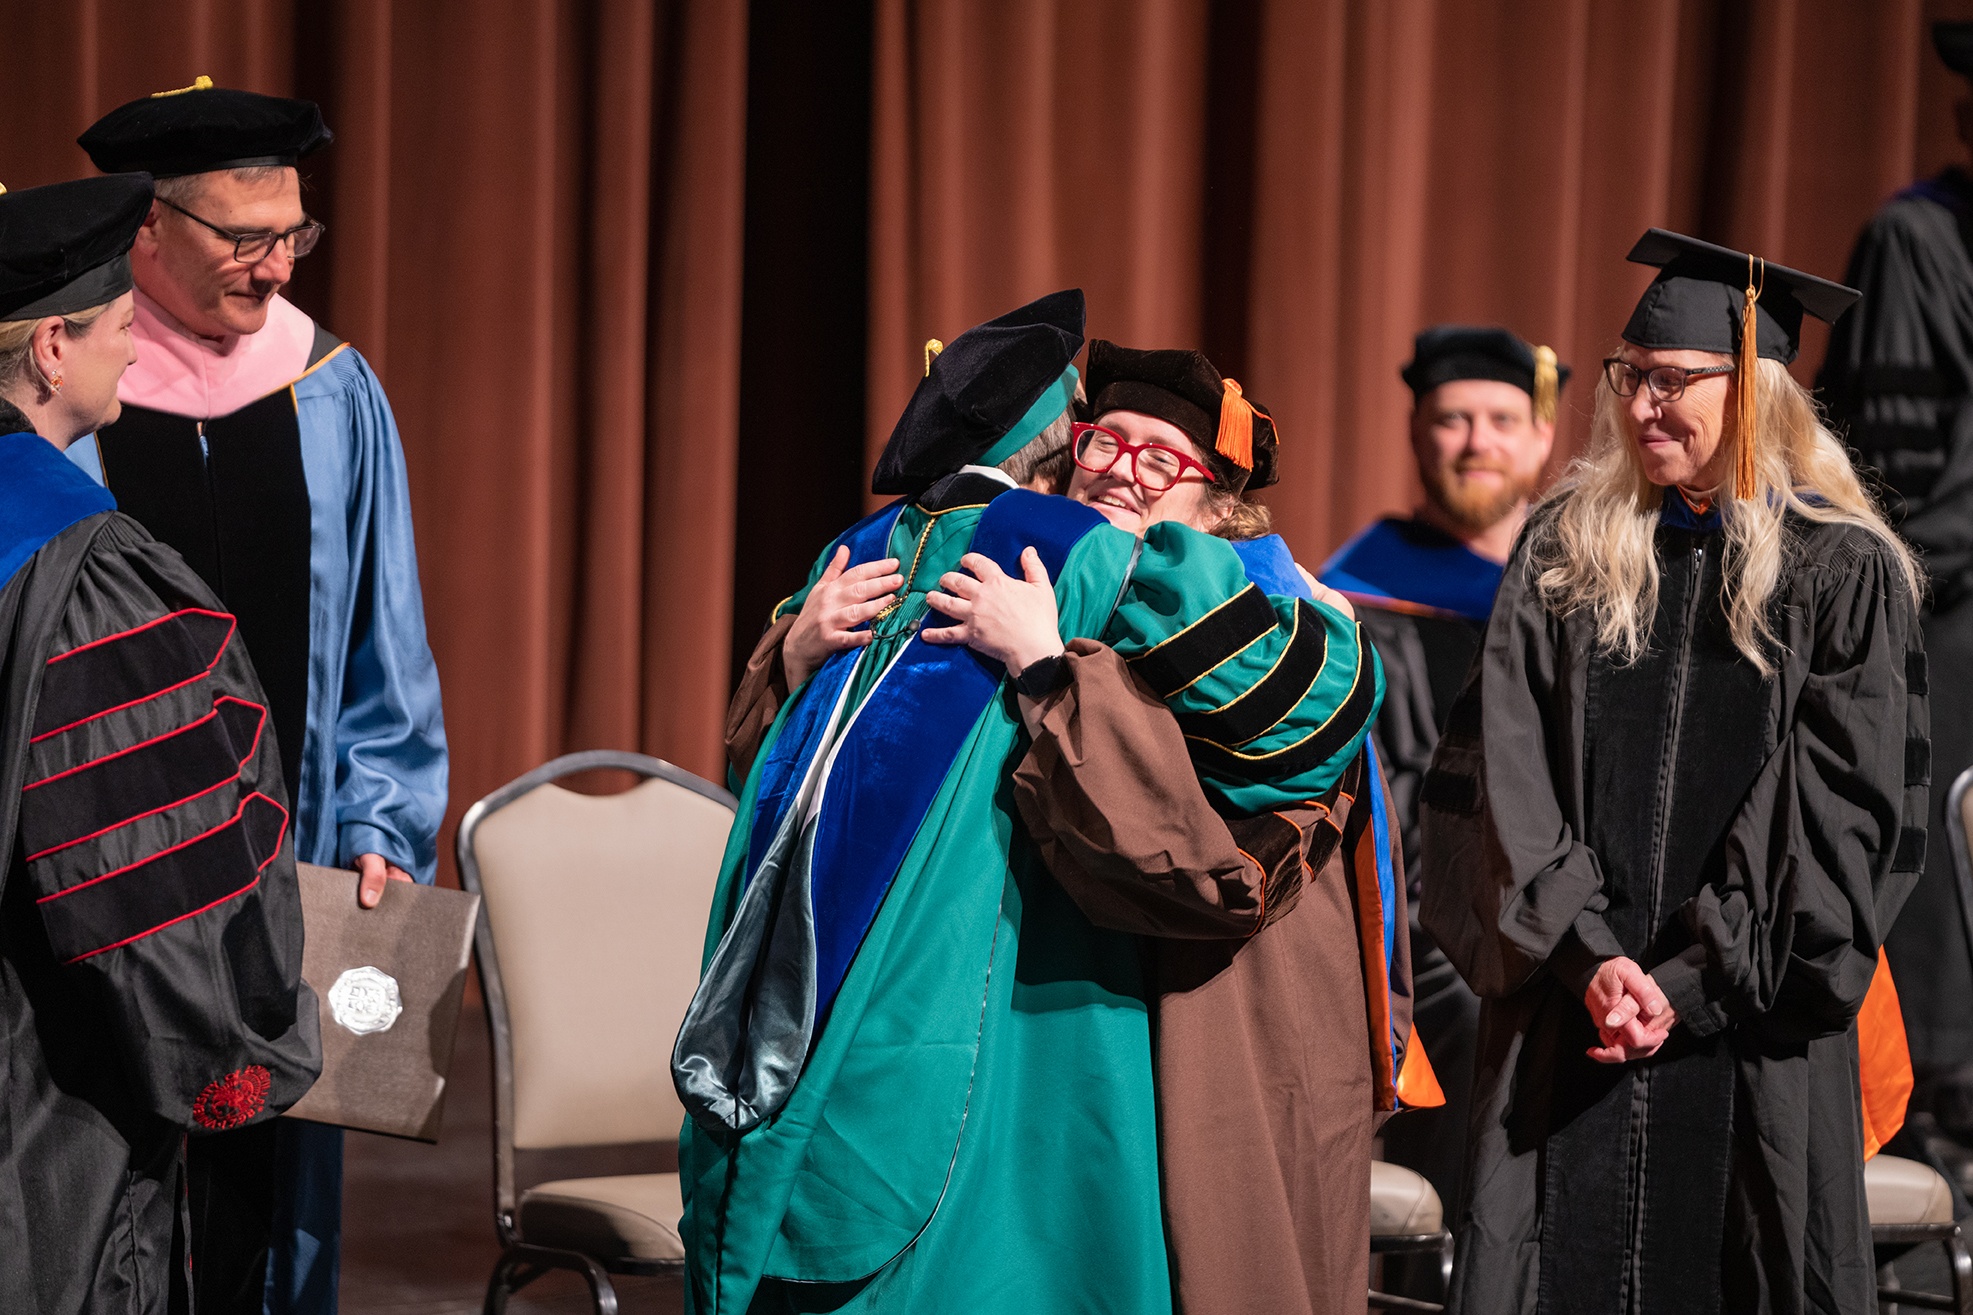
1898, 382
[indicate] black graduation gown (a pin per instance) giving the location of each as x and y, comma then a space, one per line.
150, 924
1746, 839
1899, 380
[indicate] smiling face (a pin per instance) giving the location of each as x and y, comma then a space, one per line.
1480, 450
191, 271
1127, 504
1680, 442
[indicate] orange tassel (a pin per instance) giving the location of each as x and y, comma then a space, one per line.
1236, 427
1746, 388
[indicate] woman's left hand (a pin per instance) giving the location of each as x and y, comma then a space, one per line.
1012, 621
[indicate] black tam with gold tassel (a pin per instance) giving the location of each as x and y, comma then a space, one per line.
1711, 298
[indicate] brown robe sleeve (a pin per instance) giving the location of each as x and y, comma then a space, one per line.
1109, 794
763, 689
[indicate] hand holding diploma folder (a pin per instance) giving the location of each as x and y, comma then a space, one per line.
388, 982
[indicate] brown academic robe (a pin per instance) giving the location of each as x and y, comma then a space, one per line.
1265, 1100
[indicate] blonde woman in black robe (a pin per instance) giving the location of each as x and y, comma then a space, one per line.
1679, 802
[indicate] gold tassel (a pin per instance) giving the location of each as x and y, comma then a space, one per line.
1548, 384
200, 83
3, 189
1746, 418
1236, 427
932, 349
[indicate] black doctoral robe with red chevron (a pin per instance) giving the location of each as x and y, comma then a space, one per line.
150, 926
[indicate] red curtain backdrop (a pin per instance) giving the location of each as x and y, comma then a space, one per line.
645, 321
1297, 187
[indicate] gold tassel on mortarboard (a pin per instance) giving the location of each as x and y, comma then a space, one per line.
1548, 384
932, 349
1236, 426
200, 83
1746, 414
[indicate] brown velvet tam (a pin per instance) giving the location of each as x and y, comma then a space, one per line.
1183, 388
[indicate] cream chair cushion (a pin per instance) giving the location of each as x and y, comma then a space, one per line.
1905, 1192
598, 908
1402, 1203
631, 1217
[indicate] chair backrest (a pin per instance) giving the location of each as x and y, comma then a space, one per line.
1959, 834
1959, 823
593, 918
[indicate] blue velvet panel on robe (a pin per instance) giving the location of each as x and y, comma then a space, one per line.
40, 496
1405, 562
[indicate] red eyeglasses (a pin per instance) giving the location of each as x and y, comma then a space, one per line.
1153, 466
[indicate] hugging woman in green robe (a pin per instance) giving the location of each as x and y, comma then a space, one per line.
1676, 808
954, 1107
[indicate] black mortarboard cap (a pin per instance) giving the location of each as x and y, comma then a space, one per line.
1695, 303
998, 384
1446, 353
66, 247
1954, 42
1183, 388
200, 128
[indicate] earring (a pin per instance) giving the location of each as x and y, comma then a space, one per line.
55, 384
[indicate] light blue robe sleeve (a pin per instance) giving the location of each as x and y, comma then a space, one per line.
387, 727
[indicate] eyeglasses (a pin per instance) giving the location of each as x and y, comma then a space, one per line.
1153, 466
252, 248
1667, 382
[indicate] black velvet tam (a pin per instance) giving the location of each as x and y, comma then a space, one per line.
66, 247
1447, 353
1182, 388
978, 389
1954, 42
203, 128
1696, 301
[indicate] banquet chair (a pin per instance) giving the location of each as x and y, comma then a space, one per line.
1911, 1206
1407, 1218
592, 918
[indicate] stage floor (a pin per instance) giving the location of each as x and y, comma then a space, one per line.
418, 1220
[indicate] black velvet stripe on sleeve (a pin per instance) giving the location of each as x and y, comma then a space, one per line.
1917, 761
1262, 706
1450, 792
1229, 628
122, 669
1916, 677
1910, 856
131, 903
172, 768
1313, 749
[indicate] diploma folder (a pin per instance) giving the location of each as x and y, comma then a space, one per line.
387, 984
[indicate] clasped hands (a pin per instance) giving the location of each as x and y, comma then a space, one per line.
1631, 1013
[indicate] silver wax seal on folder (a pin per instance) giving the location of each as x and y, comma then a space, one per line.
365, 1000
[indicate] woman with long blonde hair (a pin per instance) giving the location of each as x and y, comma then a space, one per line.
1678, 804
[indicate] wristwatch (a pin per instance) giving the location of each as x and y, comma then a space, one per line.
1040, 678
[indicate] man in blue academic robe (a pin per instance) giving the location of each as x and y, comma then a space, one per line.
262, 448
1482, 425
